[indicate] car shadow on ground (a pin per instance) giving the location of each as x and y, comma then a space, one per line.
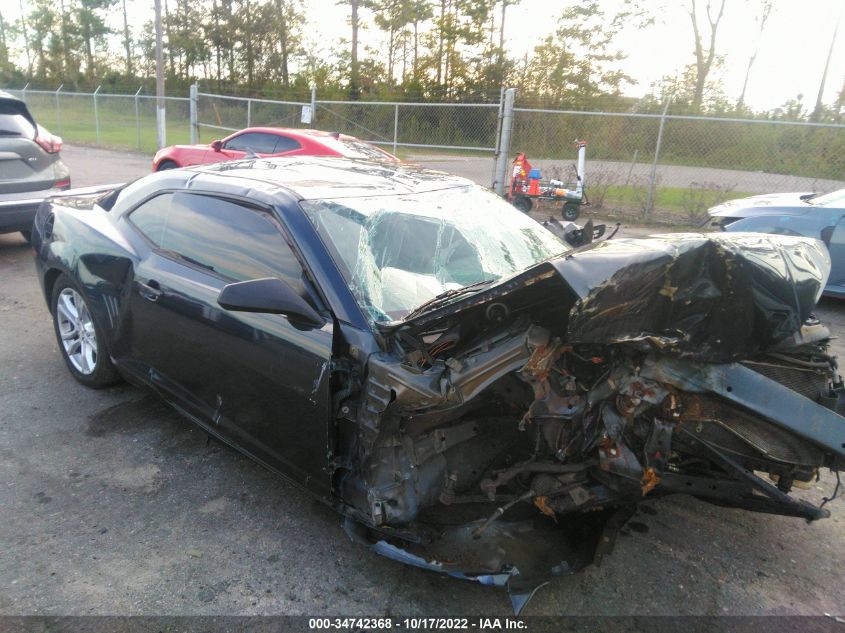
12, 240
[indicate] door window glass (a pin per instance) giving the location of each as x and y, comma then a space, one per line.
255, 141
221, 236
808, 225
13, 123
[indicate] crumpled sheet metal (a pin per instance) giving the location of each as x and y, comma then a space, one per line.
519, 556
713, 297
519, 595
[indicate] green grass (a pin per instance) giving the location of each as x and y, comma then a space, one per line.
676, 207
126, 135
120, 129
118, 126
668, 199
409, 153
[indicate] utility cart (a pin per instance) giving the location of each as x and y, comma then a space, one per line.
526, 186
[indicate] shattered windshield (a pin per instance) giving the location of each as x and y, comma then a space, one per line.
360, 149
397, 252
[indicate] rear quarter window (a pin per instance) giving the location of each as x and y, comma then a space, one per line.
13, 123
286, 144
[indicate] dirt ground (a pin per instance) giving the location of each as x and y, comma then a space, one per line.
110, 503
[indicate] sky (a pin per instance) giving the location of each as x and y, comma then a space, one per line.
790, 60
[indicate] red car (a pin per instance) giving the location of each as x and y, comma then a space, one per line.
268, 141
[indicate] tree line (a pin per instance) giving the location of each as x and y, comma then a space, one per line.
431, 50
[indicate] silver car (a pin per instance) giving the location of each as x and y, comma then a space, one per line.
806, 214
30, 166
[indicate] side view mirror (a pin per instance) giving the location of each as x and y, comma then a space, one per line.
217, 145
268, 296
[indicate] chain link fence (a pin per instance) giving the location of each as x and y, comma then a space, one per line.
666, 167
394, 125
110, 120
216, 113
673, 168
421, 126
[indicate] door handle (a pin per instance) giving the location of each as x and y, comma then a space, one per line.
150, 291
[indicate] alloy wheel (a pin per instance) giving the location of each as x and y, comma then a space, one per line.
76, 328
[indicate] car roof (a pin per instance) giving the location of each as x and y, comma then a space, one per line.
313, 177
292, 131
342, 144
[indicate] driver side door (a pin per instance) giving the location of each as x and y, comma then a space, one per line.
258, 381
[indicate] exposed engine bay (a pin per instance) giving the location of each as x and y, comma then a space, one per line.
505, 436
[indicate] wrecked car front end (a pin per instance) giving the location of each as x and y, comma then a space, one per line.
504, 433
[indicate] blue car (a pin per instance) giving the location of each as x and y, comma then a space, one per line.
810, 215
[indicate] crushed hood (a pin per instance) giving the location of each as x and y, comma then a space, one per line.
714, 296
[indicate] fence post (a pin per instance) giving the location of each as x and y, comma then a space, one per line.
653, 178
395, 127
631, 168
161, 121
195, 125
138, 115
504, 142
313, 105
498, 134
58, 110
248, 113
96, 115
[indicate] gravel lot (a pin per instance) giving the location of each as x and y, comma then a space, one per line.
113, 504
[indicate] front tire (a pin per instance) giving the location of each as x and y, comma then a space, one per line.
81, 341
522, 203
166, 164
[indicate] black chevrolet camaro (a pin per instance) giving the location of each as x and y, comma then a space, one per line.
471, 394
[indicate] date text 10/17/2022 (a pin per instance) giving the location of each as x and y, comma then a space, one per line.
418, 623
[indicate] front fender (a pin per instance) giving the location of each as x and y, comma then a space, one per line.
755, 392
